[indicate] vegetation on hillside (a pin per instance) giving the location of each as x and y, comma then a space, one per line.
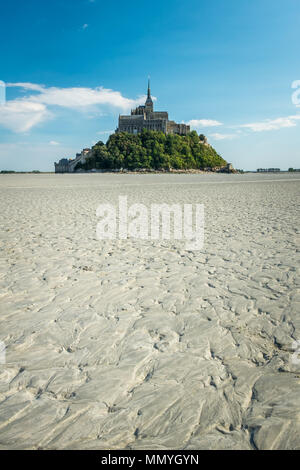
153, 151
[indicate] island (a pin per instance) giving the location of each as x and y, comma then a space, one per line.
146, 140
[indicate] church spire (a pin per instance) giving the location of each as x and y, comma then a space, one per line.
149, 102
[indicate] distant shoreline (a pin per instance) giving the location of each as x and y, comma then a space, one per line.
150, 172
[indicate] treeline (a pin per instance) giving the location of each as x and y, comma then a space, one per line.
10, 172
154, 151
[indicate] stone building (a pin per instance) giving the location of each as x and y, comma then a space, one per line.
144, 117
66, 165
62, 166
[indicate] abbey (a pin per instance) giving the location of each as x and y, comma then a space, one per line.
144, 117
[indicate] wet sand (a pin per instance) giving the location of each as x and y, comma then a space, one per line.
130, 344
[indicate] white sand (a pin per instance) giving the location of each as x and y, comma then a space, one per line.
143, 345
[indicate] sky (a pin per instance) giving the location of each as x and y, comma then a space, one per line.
229, 68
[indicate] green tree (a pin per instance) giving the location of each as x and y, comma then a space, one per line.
153, 150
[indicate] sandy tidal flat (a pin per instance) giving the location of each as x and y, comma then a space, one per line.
127, 344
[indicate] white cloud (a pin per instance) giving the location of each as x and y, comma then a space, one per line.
272, 124
217, 136
53, 142
27, 86
85, 26
22, 114
199, 123
80, 98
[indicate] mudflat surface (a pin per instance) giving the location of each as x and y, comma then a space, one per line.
136, 344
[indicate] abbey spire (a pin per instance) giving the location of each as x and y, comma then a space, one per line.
149, 102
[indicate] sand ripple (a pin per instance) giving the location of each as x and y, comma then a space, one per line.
143, 345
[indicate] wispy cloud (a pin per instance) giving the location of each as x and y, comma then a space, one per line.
105, 132
22, 114
200, 123
217, 136
27, 86
260, 126
272, 124
79, 97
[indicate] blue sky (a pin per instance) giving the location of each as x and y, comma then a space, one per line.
226, 67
